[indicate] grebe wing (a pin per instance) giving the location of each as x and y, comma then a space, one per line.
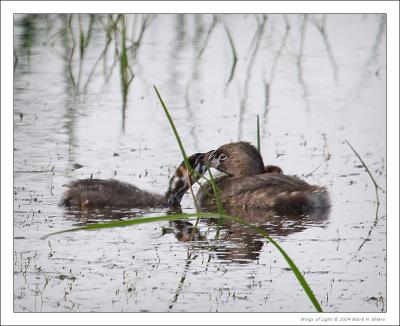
271, 183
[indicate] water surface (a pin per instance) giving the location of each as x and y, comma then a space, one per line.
315, 81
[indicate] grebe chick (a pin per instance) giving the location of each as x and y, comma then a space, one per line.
96, 193
250, 186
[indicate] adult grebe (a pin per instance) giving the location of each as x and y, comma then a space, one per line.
250, 186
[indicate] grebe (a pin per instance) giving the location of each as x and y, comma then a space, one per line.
96, 193
248, 185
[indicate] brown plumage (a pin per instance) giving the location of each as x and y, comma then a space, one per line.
96, 193
249, 186
238, 159
273, 169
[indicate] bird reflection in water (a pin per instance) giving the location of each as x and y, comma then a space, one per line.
238, 243
260, 195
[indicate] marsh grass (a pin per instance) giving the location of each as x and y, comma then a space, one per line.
220, 215
185, 158
377, 187
28, 25
209, 32
234, 53
155, 219
84, 40
77, 32
125, 70
175, 131
218, 201
258, 134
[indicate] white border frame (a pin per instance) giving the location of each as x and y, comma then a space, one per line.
8, 8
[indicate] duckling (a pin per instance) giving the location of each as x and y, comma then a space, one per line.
97, 193
249, 185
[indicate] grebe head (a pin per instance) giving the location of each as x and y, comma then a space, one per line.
238, 159
180, 182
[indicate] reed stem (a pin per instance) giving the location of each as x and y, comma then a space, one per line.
258, 134
368, 171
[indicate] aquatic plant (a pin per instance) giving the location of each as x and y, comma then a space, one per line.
258, 134
138, 221
217, 215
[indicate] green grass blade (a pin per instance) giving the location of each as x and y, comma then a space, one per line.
221, 214
217, 196
124, 223
365, 166
216, 193
258, 134
260, 231
290, 262
178, 139
292, 266
81, 44
171, 122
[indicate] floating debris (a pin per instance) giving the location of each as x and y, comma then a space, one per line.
77, 166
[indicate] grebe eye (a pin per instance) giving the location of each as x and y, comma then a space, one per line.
222, 157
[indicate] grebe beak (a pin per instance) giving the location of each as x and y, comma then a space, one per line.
182, 179
226, 172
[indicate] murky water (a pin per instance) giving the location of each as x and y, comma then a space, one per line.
314, 80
